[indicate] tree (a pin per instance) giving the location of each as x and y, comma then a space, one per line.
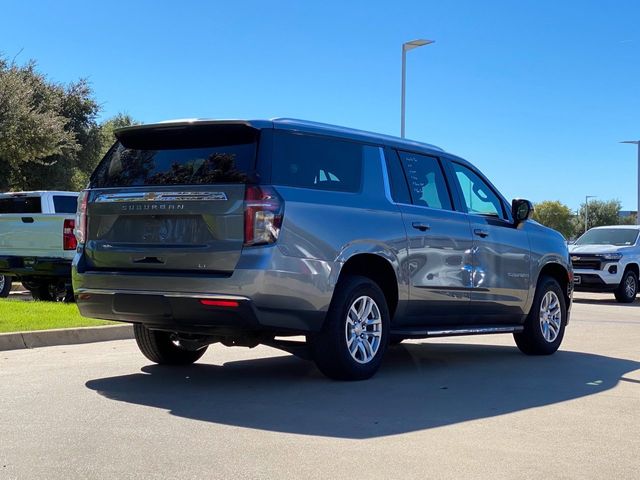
600, 213
554, 214
102, 139
69, 169
49, 134
109, 126
33, 126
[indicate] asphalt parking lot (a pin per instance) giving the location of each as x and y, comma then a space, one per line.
467, 407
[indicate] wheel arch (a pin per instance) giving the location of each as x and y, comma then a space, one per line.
380, 270
632, 266
561, 274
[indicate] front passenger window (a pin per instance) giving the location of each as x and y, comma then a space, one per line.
478, 196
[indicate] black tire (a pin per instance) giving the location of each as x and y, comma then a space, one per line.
5, 286
624, 295
69, 296
42, 292
531, 340
158, 347
51, 292
329, 348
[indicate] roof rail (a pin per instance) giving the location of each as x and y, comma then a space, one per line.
338, 128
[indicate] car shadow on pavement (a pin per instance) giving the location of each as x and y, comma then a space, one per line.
419, 386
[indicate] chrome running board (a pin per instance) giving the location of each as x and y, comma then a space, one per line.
452, 331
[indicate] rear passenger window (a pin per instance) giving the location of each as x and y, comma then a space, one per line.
317, 162
426, 181
65, 204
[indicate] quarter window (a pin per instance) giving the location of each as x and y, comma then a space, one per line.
319, 163
478, 196
426, 181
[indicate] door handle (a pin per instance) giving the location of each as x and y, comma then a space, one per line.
423, 227
480, 232
27, 219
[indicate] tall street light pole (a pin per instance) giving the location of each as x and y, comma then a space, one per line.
586, 211
405, 48
637, 142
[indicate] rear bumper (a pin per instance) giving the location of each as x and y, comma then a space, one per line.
35, 266
275, 293
186, 312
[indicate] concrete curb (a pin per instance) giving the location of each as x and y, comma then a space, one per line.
64, 336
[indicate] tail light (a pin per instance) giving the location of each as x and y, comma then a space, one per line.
69, 241
81, 217
263, 213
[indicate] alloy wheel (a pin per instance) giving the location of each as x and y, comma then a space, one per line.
550, 316
363, 329
629, 286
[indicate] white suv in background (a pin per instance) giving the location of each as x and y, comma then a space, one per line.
606, 259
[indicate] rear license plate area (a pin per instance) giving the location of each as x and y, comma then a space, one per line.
143, 305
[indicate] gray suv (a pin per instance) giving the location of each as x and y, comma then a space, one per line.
249, 232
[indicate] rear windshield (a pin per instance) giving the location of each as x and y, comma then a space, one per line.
65, 203
609, 236
20, 205
194, 155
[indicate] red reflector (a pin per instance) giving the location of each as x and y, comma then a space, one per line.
220, 303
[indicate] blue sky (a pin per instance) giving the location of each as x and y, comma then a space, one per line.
536, 93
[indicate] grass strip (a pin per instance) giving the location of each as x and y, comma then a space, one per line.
21, 316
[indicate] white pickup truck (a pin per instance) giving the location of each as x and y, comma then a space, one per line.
607, 259
37, 242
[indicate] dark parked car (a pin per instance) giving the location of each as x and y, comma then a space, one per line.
245, 232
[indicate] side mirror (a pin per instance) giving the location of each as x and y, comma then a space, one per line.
521, 210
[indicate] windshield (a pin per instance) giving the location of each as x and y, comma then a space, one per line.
609, 236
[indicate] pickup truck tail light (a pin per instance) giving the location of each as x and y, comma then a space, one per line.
69, 241
263, 213
81, 218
